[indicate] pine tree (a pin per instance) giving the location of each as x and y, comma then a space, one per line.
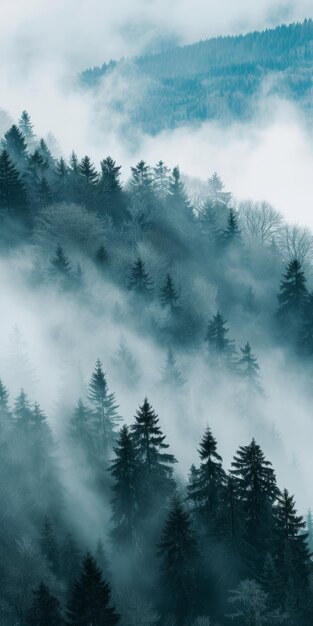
255, 483
22, 413
45, 609
62, 173
309, 529
217, 196
15, 145
90, 601
206, 490
26, 127
45, 154
141, 182
80, 429
292, 298
111, 191
125, 505
232, 235
12, 191
139, 280
126, 364
5, 414
60, 268
149, 439
44, 192
88, 171
168, 294
178, 198
305, 336
74, 164
178, 552
292, 556
105, 411
249, 373
171, 374
210, 224
221, 349
161, 180
49, 546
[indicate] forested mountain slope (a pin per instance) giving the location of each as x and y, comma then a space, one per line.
218, 78
172, 349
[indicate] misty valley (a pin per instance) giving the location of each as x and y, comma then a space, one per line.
155, 397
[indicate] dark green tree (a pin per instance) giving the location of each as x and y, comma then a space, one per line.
26, 127
178, 198
88, 171
111, 191
139, 280
22, 413
80, 429
161, 180
14, 143
45, 609
178, 552
206, 489
12, 191
125, 502
232, 234
221, 348
104, 411
90, 601
168, 294
60, 268
292, 298
171, 374
150, 441
70, 560
141, 182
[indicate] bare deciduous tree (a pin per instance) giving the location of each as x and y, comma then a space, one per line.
260, 220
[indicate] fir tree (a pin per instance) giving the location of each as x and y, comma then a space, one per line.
22, 413
178, 197
49, 546
4, 408
12, 191
141, 182
125, 501
161, 180
90, 601
45, 609
292, 556
45, 154
26, 127
15, 145
292, 297
309, 529
218, 197
80, 429
255, 482
171, 374
209, 224
44, 192
149, 439
111, 191
104, 408
60, 268
208, 483
178, 552
139, 280
168, 294
221, 348
249, 373
232, 235
88, 171
126, 364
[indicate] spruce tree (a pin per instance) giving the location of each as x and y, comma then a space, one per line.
210, 224
70, 560
221, 348
88, 171
168, 294
218, 197
49, 546
309, 529
171, 374
150, 441
90, 601
255, 483
178, 198
249, 373
292, 298
14, 143
80, 429
232, 234
26, 127
139, 280
60, 268
125, 503
141, 182
44, 192
45, 609
161, 180
5, 414
22, 413
206, 489
292, 557
12, 191
111, 191
178, 552
104, 411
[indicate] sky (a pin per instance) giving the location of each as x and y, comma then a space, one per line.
44, 44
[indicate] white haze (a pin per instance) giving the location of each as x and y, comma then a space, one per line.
43, 45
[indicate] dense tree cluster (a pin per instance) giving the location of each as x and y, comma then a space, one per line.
224, 544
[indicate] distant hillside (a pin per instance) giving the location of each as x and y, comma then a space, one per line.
219, 78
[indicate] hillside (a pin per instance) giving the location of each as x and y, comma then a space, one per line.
219, 78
